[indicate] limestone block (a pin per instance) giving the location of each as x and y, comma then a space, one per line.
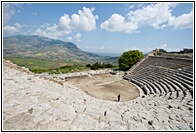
85, 122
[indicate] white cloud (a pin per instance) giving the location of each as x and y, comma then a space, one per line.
64, 24
69, 38
117, 23
102, 47
182, 22
9, 10
78, 37
131, 6
154, 15
139, 5
158, 16
12, 29
44, 25
46, 33
163, 46
83, 21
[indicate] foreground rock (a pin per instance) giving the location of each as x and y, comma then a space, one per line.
34, 103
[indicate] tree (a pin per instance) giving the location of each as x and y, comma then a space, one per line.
129, 58
95, 66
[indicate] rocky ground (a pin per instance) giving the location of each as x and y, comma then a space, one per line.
33, 102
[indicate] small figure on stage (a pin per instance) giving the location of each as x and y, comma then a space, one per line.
118, 97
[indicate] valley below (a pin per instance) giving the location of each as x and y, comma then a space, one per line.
36, 52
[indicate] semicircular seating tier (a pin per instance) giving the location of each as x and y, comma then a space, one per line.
170, 77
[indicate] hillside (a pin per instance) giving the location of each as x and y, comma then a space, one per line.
48, 49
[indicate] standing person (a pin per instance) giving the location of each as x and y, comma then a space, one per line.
118, 97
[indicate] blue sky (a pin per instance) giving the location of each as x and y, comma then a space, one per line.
105, 27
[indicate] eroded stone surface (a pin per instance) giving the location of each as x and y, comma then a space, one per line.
33, 103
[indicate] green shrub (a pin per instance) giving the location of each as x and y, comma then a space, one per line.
101, 65
109, 66
88, 65
39, 70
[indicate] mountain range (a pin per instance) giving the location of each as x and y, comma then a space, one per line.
34, 46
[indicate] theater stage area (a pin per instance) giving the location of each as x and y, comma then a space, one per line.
106, 87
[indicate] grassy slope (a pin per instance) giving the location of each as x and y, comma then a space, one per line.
38, 66
33, 63
52, 67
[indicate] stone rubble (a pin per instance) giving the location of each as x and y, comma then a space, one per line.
31, 102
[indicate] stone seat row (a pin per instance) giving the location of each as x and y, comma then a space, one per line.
163, 62
152, 73
162, 80
166, 88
